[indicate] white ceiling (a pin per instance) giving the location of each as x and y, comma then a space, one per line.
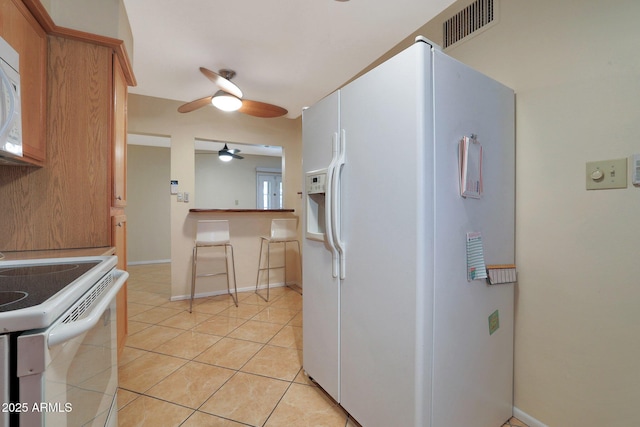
285, 52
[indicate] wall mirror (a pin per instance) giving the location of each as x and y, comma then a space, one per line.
253, 182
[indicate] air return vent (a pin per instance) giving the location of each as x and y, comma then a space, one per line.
478, 15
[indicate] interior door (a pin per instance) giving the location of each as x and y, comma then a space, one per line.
269, 190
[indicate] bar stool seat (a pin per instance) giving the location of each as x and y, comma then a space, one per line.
210, 234
282, 231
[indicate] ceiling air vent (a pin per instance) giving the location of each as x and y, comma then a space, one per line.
478, 15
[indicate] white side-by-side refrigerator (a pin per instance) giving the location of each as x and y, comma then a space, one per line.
400, 327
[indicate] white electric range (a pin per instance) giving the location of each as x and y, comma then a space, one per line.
58, 341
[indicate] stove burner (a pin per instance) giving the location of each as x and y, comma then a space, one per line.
11, 297
34, 270
37, 282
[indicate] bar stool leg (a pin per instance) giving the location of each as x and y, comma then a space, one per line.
259, 267
234, 296
285, 263
299, 266
193, 276
268, 268
226, 268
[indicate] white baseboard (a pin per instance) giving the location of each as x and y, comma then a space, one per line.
224, 292
527, 419
157, 261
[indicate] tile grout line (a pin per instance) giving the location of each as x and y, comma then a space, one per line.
279, 400
185, 360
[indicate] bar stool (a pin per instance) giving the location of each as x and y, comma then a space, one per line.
213, 233
282, 231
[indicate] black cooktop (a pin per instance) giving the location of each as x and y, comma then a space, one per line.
29, 285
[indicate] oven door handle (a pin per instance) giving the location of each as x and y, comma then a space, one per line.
66, 331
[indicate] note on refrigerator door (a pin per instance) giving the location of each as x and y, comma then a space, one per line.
476, 268
470, 163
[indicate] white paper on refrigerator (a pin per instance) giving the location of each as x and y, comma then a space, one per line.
476, 268
470, 168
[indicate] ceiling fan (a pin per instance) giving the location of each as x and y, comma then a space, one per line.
229, 98
227, 154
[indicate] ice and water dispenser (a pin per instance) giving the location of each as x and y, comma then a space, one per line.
316, 183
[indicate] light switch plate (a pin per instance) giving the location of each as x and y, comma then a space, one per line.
606, 174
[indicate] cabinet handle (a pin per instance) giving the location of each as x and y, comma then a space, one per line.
118, 197
119, 224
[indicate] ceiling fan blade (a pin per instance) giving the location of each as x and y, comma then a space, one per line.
261, 109
222, 83
235, 156
194, 105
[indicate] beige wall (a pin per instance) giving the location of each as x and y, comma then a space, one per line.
148, 204
575, 68
157, 116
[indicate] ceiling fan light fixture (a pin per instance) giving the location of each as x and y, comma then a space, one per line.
225, 101
225, 157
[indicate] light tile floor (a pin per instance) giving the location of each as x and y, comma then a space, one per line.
220, 366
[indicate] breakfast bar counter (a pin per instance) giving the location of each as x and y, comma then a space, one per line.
246, 227
268, 211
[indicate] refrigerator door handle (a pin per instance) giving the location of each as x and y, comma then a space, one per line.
329, 200
336, 207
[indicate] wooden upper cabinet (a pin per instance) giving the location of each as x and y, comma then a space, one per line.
119, 169
20, 29
79, 134
74, 95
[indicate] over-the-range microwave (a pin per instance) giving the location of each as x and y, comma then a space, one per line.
10, 106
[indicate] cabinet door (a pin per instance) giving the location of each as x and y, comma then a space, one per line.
119, 135
20, 29
119, 241
77, 184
